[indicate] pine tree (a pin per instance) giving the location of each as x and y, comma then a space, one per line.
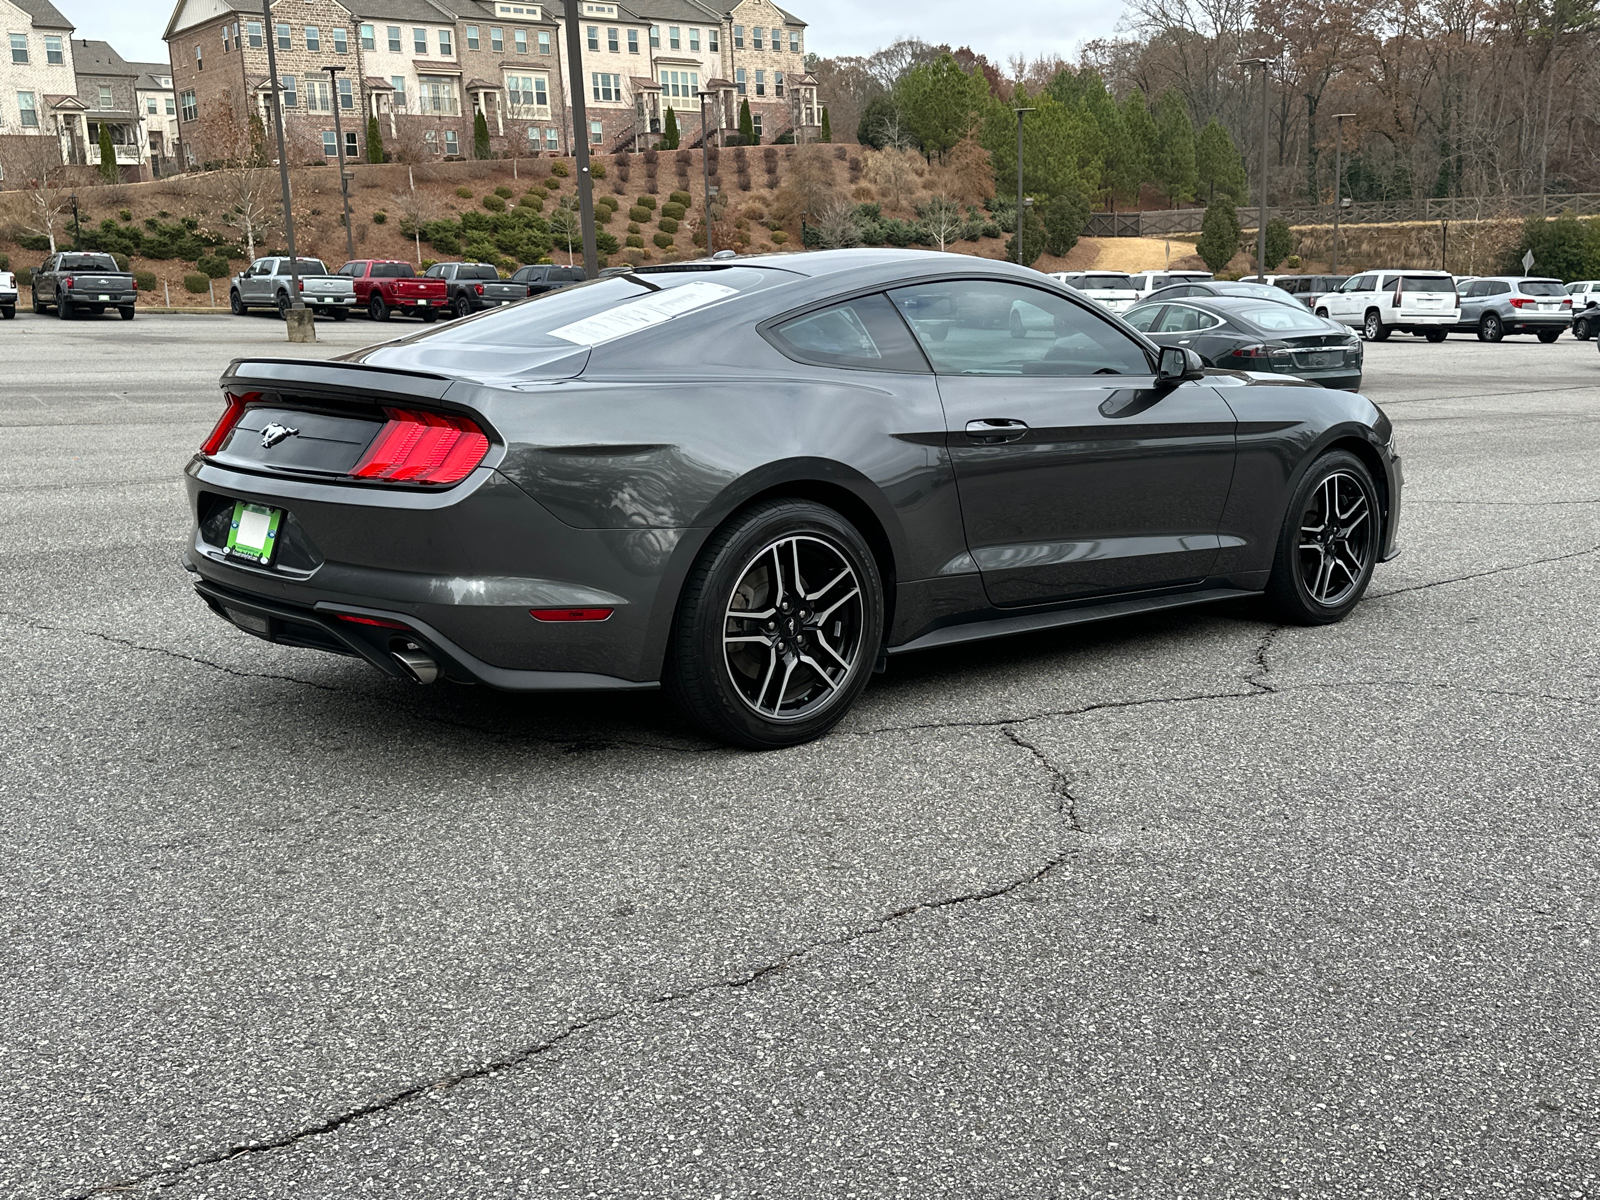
827, 129
1218, 165
480, 137
374, 141
1174, 158
1140, 131
669, 131
747, 127
1219, 234
108, 155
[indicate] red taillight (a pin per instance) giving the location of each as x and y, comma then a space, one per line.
374, 621
1257, 351
570, 614
1567, 303
67, 282
1397, 295
423, 447
225, 423
136, 285
479, 288
301, 283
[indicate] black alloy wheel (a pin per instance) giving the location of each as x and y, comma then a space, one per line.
1436, 335
63, 308
236, 303
779, 626
1582, 330
1329, 543
1549, 335
1373, 328
127, 312
1490, 328
284, 305
377, 309
462, 307
1323, 313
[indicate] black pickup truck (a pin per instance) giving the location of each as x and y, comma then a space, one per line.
475, 287
76, 282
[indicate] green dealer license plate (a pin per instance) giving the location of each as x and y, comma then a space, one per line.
254, 531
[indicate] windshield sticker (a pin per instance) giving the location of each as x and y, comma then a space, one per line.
641, 313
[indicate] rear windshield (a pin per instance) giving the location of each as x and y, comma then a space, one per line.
1264, 290
393, 271
477, 271
88, 262
1281, 317
1106, 282
1541, 287
1427, 283
590, 314
302, 266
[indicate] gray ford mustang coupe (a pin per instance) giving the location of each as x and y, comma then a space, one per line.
751, 481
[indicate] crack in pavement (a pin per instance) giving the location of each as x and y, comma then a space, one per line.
1256, 677
1065, 807
1538, 562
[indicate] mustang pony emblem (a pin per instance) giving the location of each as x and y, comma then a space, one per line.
275, 433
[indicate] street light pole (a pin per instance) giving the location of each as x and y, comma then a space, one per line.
1020, 214
1338, 186
580, 148
1261, 211
705, 167
344, 180
299, 320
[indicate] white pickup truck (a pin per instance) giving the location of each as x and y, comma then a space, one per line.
8, 295
267, 283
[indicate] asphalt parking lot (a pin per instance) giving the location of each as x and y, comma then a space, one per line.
1183, 906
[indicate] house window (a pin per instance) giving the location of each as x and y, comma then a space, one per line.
755, 119
451, 146
680, 84
777, 40
190, 110
674, 38
777, 84
330, 144
19, 47
170, 109
341, 42
318, 98
552, 141
399, 84
520, 41
520, 91
694, 40
52, 50
199, 59
606, 87
497, 39
30, 114
347, 98
393, 32
594, 38
738, 80
419, 41
313, 39
755, 38
106, 103
438, 96
633, 41
224, 39
761, 83
446, 44
150, 106
284, 41
794, 41
611, 41
369, 40
431, 138
655, 37
541, 91
738, 37
711, 40
351, 146
544, 41
597, 133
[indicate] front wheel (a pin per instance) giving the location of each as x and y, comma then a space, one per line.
1323, 313
1549, 335
377, 309
1329, 543
1373, 328
778, 627
1436, 335
127, 313
236, 303
1582, 330
1490, 329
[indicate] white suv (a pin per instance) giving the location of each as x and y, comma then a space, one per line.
1149, 281
1380, 302
1585, 308
1111, 290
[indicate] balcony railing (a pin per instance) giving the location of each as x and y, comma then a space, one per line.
126, 156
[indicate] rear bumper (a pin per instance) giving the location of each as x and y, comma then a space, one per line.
328, 301
77, 296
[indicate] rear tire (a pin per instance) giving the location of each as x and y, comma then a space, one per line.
429, 315
1490, 329
790, 671
284, 305
1323, 313
1322, 567
9, 312
127, 313
341, 314
462, 307
377, 309
63, 308
38, 305
1582, 330
1373, 328
1436, 335
1549, 335
236, 304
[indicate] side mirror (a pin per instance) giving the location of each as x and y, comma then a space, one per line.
1178, 364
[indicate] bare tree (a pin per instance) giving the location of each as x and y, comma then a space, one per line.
245, 181
810, 180
895, 173
943, 219
836, 226
415, 210
45, 179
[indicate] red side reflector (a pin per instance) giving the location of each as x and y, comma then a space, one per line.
423, 447
570, 614
355, 620
226, 422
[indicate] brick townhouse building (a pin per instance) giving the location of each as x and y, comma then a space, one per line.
38, 88
107, 88
424, 71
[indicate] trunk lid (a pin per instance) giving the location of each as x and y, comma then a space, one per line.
326, 285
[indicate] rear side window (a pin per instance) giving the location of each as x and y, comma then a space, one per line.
1144, 317
1496, 287
866, 334
392, 271
1180, 318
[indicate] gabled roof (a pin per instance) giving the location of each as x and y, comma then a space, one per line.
151, 74
45, 15
402, 10
91, 57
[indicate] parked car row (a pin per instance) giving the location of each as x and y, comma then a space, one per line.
384, 287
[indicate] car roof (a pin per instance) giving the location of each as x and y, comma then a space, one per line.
1522, 278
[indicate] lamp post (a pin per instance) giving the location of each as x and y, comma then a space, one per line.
705, 165
344, 179
1338, 186
76, 230
1261, 211
1021, 112
299, 319
580, 148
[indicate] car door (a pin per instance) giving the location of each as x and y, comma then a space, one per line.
1077, 475
255, 283
1342, 305
1471, 305
1183, 325
44, 281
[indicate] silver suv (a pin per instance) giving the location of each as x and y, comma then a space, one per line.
1585, 308
1494, 306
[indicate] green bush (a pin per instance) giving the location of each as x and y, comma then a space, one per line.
668, 225
662, 240
121, 260
1280, 242
1219, 234
24, 276
610, 202
675, 211
639, 213
597, 169
633, 227
146, 280
538, 193
559, 168
379, 217
1064, 218
779, 237
212, 265
646, 202
682, 198
1565, 248
602, 214
529, 202
605, 243
197, 282
125, 214
493, 203
30, 241
464, 192
635, 241
504, 192
5, 262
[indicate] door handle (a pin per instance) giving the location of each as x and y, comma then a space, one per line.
997, 430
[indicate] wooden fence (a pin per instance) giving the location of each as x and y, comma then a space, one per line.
1166, 222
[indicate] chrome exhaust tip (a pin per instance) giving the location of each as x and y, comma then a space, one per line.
417, 665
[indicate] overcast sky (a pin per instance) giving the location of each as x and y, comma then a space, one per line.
1031, 27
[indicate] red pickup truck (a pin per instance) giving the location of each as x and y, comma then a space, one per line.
386, 286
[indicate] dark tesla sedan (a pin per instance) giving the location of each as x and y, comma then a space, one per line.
1222, 287
752, 481
1247, 335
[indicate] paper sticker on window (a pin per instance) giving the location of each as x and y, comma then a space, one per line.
641, 313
